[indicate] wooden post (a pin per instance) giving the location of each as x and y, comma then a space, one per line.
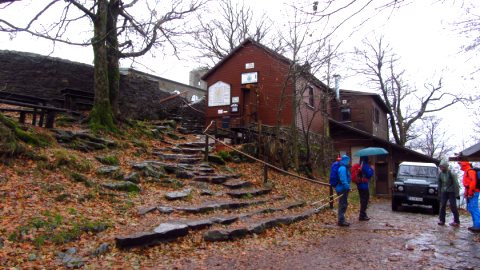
331, 197
22, 117
206, 147
265, 171
34, 117
49, 123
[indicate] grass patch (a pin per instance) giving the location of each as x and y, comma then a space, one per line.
54, 228
108, 160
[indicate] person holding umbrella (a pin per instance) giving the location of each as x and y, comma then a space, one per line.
363, 178
366, 172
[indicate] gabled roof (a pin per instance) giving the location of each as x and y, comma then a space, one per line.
381, 142
273, 53
375, 96
238, 48
472, 153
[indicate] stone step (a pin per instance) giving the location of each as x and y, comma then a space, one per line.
207, 206
243, 193
237, 183
180, 158
257, 227
214, 179
178, 195
173, 229
188, 150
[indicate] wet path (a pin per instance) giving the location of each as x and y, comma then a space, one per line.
410, 239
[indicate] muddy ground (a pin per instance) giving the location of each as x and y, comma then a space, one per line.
409, 239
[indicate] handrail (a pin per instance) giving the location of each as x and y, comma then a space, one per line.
263, 162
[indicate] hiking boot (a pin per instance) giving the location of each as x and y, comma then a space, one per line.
473, 229
343, 224
441, 223
364, 218
454, 224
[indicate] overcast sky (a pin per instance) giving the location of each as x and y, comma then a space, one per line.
420, 33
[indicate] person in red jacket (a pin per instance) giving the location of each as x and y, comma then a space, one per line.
471, 194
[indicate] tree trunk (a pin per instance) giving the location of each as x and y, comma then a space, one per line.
101, 116
113, 57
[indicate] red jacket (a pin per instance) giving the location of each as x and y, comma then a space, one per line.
469, 178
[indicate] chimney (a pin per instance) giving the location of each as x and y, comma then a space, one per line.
337, 86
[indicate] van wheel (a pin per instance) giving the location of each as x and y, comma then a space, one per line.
395, 205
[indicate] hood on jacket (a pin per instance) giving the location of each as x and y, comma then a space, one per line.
444, 163
345, 160
464, 165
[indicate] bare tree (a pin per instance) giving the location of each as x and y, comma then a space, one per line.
216, 36
407, 103
120, 30
470, 25
433, 141
476, 125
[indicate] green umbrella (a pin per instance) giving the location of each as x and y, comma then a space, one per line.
371, 151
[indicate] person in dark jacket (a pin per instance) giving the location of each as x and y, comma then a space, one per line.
342, 188
362, 187
448, 191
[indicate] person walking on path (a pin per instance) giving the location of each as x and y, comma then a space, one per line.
362, 187
448, 191
343, 188
471, 194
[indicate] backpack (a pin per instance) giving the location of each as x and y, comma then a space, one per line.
477, 183
334, 178
356, 173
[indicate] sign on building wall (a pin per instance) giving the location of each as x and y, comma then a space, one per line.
219, 94
249, 77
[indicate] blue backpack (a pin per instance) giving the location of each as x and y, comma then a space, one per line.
334, 179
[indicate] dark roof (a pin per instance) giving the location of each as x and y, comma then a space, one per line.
381, 142
273, 53
375, 96
158, 78
472, 153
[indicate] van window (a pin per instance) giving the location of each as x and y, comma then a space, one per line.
417, 171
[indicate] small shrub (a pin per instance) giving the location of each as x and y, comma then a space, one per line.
225, 155
108, 160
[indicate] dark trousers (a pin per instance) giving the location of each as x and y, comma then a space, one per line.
444, 197
364, 195
342, 206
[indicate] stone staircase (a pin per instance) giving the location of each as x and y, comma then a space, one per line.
231, 206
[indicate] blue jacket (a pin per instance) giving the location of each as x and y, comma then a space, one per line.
344, 175
367, 173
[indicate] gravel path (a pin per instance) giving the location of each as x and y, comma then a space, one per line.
410, 239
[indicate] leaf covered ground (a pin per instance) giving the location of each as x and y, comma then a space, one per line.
45, 209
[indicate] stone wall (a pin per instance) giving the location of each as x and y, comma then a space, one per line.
43, 76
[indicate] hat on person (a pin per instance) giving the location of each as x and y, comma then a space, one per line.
444, 163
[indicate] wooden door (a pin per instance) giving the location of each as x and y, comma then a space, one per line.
381, 178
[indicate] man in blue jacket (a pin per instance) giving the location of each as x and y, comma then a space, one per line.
362, 186
342, 188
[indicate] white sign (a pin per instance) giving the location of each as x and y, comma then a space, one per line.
219, 94
235, 99
249, 77
249, 65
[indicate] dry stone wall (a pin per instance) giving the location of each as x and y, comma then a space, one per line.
43, 76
